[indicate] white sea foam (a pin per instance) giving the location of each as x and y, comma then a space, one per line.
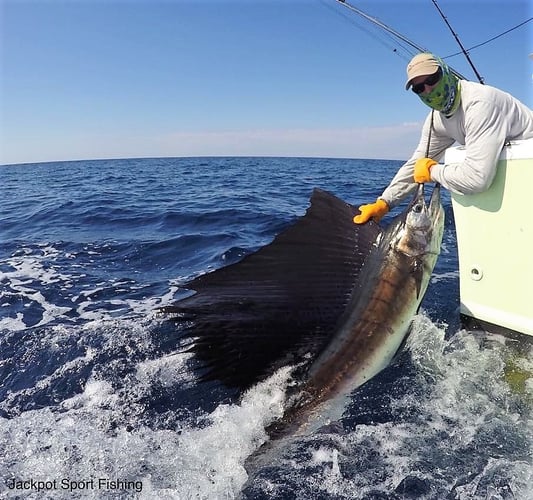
100, 433
80, 442
13, 324
450, 275
166, 371
31, 273
33, 270
469, 436
212, 459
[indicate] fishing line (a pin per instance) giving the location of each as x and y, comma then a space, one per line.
428, 145
491, 39
377, 34
393, 34
457, 39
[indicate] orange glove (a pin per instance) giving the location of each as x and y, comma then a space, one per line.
372, 211
422, 171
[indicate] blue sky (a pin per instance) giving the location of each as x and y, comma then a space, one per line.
84, 79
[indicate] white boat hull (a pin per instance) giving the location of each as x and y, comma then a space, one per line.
495, 243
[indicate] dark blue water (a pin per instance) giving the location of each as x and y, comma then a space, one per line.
97, 401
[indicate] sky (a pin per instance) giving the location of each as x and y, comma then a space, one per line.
94, 79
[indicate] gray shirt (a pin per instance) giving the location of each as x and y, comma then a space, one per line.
486, 119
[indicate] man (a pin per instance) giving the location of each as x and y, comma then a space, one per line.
480, 117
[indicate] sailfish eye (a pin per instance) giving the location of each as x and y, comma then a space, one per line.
417, 208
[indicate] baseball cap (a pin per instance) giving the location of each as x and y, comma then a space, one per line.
422, 64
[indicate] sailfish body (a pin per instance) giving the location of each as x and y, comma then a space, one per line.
339, 295
377, 319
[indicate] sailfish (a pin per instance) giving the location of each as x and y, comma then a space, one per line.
327, 295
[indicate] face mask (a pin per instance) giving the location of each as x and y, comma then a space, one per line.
446, 95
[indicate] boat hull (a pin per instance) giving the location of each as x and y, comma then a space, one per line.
495, 244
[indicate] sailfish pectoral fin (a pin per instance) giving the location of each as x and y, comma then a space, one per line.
418, 274
281, 301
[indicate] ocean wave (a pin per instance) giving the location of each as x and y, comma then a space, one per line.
96, 384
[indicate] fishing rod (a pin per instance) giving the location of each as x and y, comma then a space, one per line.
465, 52
393, 32
383, 26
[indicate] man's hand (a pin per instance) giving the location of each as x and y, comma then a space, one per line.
422, 171
372, 211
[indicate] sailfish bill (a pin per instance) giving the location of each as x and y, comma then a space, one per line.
333, 296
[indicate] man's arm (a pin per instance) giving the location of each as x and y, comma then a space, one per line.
402, 183
485, 136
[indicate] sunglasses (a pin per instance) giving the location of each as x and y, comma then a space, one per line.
430, 80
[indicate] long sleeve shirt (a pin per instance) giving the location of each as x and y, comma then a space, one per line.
486, 119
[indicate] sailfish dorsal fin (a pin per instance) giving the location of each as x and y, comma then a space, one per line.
283, 300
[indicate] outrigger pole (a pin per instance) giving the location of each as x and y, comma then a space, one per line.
465, 52
396, 34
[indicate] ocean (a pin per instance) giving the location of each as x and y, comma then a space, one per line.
97, 400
